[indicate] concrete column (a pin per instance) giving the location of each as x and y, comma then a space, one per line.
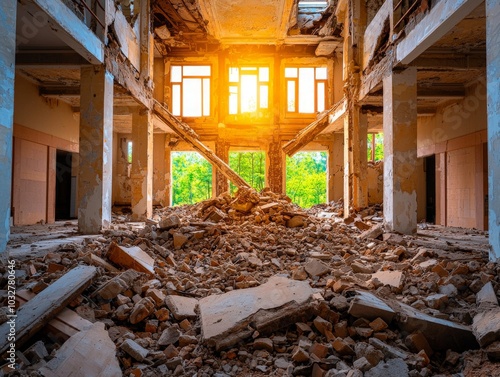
441, 189
493, 101
336, 168
275, 163
400, 151
359, 160
96, 150
141, 177
221, 183
347, 163
8, 10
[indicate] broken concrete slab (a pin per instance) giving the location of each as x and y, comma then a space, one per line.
182, 307
374, 232
316, 268
94, 347
138, 352
369, 306
486, 296
392, 278
440, 333
33, 315
486, 326
169, 222
226, 318
131, 257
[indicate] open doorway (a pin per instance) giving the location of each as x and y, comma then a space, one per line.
430, 189
306, 178
191, 178
65, 186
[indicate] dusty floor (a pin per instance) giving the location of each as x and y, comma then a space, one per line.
215, 247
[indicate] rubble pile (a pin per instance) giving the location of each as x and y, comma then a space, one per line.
253, 285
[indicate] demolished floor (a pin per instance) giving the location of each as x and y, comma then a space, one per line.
252, 285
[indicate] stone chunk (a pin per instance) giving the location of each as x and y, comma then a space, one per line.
486, 296
441, 334
182, 307
316, 268
179, 240
276, 304
295, 222
138, 352
391, 368
322, 325
392, 278
486, 326
374, 232
263, 344
170, 222
131, 257
169, 336
366, 305
141, 310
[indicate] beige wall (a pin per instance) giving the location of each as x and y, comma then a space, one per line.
375, 182
50, 116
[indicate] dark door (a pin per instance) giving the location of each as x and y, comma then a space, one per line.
430, 189
63, 185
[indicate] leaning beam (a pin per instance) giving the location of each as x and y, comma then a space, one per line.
315, 128
188, 135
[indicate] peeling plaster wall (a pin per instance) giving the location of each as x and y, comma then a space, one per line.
45, 115
122, 193
459, 119
128, 38
375, 177
374, 32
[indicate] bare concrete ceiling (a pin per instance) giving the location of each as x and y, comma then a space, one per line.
247, 21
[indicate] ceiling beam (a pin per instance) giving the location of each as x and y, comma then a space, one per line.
450, 62
50, 59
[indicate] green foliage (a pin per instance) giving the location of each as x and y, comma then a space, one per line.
379, 146
251, 166
306, 178
191, 178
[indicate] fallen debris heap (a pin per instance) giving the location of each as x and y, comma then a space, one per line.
254, 285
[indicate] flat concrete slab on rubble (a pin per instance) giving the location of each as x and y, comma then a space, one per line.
225, 318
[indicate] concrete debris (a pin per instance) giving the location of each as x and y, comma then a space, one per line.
228, 318
253, 285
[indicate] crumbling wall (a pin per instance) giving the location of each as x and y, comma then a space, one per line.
375, 182
122, 192
372, 7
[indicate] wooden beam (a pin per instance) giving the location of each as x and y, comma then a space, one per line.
372, 78
33, 315
188, 135
450, 62
307, 134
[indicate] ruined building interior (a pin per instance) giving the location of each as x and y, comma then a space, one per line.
395, 274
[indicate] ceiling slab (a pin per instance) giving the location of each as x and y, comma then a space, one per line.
247, 21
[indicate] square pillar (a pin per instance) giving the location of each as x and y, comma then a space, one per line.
275, 168
8, 10
493, 101
221, 182
96, 150
336, 168
141, 177
400, 151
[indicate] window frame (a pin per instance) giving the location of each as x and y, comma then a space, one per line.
180, 85
259, 111
296, 80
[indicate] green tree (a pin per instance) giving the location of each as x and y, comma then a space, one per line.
306, 178
250, 166
191, 178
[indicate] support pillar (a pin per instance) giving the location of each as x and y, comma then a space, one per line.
359, 160
8, 10
400, 151
336, 168
96, 150
141, 177
493, 91
221, 182
275, 168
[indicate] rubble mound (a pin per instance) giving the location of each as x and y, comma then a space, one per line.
253, 285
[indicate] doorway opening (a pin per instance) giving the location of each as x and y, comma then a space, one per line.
191, 178
65, 186
306, 178
430, 189
250, 166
